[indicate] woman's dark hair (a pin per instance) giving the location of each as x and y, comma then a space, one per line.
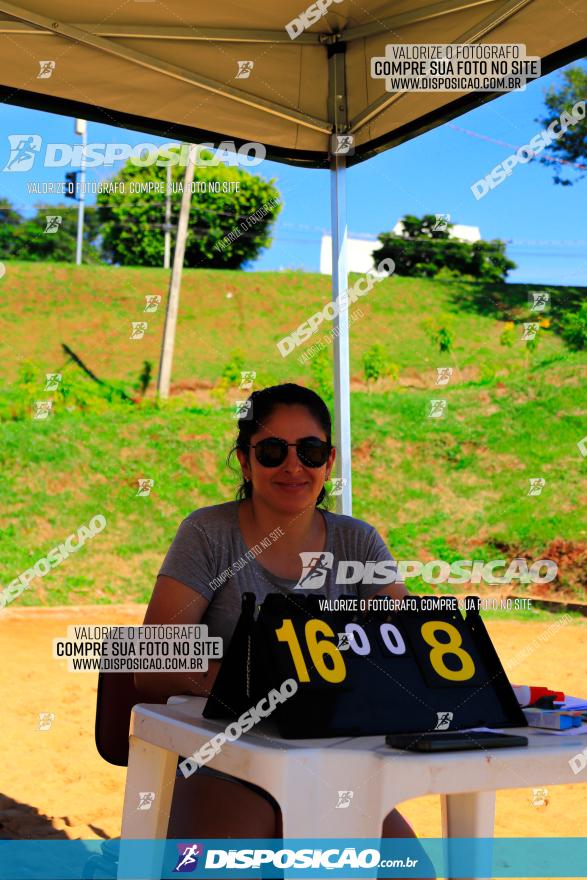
262, 404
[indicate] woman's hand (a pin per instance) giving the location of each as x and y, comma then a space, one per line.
174, 603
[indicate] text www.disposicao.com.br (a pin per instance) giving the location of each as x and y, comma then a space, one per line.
131, 664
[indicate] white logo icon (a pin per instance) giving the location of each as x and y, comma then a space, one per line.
152, 303
315, 567
53, 380
344, 640
146, 799
145, 486
443, 375
2, 270
342, 144
42, 409
530, 331
537, 484
441, 222
46, 719
437, 409
344, 799
247, 379
47, 68
444, 719
243, 409
23, 148
138, 329
578, 762
582, 444
539, 797
538, 300
244, 69
53, 223
338, 484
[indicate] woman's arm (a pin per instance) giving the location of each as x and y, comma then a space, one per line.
173, 602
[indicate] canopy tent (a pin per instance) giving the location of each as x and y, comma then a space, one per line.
170, 69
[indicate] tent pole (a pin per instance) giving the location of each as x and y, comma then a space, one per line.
342, 403
338, 116
166, 361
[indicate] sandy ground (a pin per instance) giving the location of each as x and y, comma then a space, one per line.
53, 783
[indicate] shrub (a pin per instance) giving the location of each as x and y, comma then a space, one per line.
574, 328
441, 332
321, 370
377, 364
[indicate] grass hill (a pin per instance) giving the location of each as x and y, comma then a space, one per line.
449, 488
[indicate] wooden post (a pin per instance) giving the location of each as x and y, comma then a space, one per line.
166, 361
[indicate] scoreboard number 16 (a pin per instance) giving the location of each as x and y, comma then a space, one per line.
329, 662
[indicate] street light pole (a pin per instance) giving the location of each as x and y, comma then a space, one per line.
81, 128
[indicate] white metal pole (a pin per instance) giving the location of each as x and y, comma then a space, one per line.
342, 400
167, 347
81, 128
167, 251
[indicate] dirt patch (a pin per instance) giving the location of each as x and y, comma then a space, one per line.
186, 438
411, 377
190, 385
201, 464
362, 452
570, 583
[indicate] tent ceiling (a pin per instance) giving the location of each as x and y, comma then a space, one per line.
169, 68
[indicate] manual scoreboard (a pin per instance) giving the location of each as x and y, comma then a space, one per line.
365, 672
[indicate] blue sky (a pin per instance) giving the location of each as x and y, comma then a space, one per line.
545, 224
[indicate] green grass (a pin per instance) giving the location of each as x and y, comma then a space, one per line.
448, 488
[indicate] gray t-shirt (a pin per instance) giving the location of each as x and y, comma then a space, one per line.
209, 555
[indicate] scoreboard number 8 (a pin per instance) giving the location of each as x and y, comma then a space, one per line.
329, 662
453, 646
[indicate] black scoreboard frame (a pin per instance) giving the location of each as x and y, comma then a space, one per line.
400, 683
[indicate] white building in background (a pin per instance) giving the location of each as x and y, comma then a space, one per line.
360, 250
464, 233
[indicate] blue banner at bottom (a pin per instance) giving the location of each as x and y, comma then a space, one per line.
303, 858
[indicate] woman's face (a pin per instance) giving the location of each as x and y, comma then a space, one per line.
292, 486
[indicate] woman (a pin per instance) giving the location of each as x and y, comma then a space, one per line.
285, 453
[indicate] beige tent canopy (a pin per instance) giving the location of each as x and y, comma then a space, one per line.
170, 69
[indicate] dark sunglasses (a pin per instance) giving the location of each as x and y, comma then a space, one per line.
272, 451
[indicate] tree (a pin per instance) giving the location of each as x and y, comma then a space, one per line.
423, 251
572, 148
26, 239
9, 220
227, 228
427, 226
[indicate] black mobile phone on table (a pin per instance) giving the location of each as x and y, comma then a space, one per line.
453, 742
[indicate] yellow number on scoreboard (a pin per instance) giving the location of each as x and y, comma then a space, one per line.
319, 649
440, 649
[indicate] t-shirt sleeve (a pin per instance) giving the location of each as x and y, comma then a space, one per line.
190, 559
377, 551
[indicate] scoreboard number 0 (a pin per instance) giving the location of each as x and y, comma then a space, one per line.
334, 671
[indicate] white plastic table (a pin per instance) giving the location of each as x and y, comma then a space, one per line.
305, 776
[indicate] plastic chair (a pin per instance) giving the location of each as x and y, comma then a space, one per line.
115, 700
117, 695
